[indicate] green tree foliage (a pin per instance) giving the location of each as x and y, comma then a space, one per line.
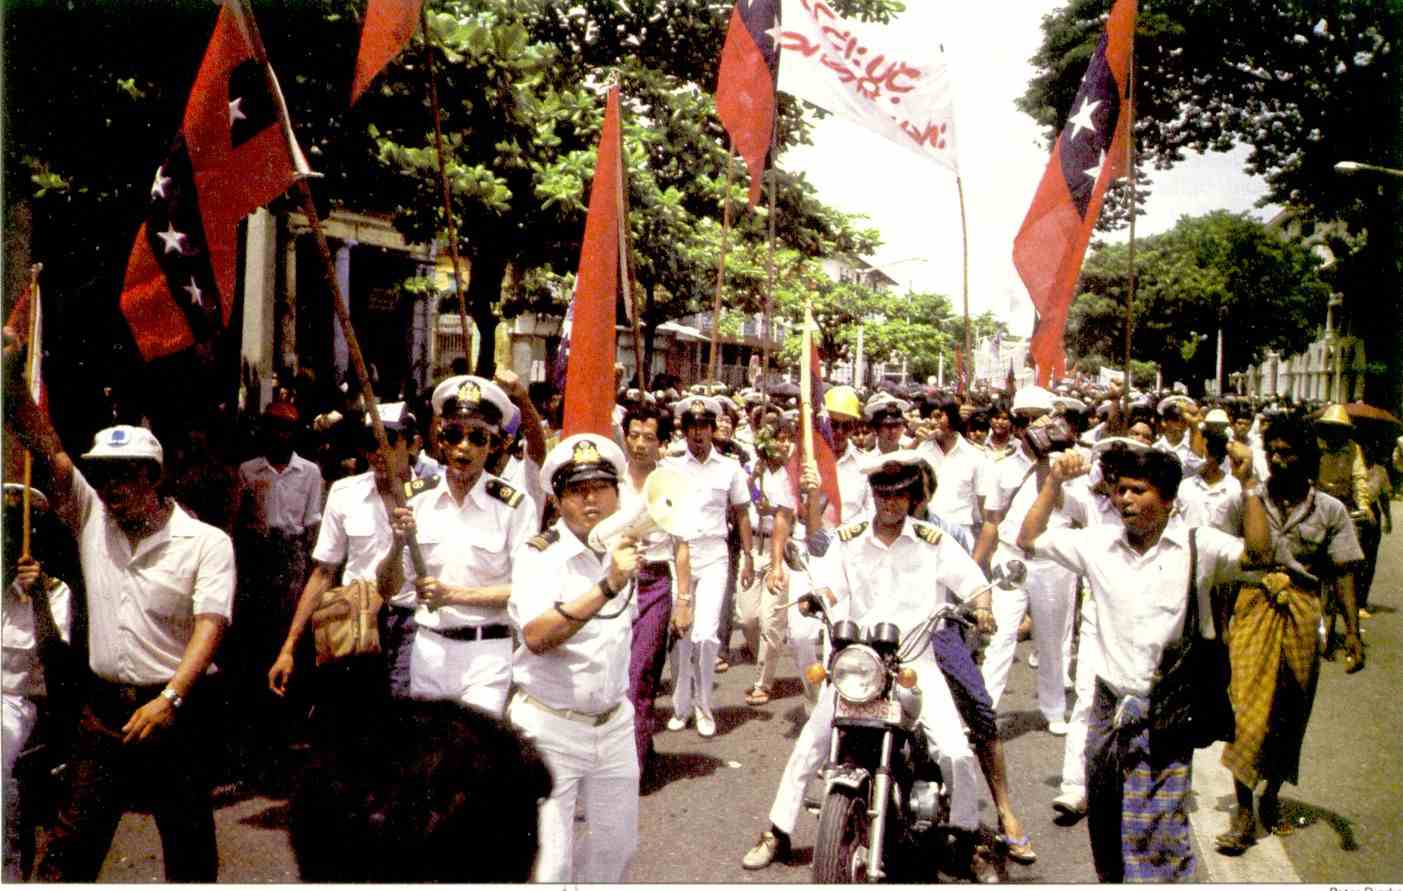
1305, 85
1221, 269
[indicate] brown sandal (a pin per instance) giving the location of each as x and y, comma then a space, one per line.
757, 696
1241, 834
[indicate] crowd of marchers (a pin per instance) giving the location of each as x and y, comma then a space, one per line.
162, 621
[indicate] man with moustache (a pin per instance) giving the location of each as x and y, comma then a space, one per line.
468, 527
571, 672
722, 490
661, 557
160, 592
354, 537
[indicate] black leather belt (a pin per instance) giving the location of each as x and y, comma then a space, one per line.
473, 632
654, 566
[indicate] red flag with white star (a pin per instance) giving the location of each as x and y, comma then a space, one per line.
1089, 154
235, 152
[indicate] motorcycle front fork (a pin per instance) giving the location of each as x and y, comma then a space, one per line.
881, 799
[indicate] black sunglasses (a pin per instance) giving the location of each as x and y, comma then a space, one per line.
454, 434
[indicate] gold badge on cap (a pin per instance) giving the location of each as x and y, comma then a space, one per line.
698, 407
586, 452
469, 392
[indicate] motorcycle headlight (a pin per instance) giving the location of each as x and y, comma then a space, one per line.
858, 674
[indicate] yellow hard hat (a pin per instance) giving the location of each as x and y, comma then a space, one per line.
1335, 414
843, 401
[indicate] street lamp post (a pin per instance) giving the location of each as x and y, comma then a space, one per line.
1350, 168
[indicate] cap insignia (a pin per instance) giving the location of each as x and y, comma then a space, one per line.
586, 452
469, 393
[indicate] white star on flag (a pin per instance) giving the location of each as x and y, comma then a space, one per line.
196, 297
1082, 119
236, 113
172, 239
775, 33
1095, 172
158, 186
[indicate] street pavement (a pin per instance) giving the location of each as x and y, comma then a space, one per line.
711, 797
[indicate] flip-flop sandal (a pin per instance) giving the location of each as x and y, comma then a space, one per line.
757, 697
1020, 850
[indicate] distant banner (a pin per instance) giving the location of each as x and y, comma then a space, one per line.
1110, 376
891, 82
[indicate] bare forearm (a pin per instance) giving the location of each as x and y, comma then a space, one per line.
557, 625
780, 537
490, 596
322, 578
532, 432
389, 575
743, 527
1035, 521
988, 537
199, 653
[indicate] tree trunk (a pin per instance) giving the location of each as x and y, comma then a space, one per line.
484, 293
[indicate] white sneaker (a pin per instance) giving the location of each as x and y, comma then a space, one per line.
1069, 804
1033, 660
676, 722
1057, 728
706, 725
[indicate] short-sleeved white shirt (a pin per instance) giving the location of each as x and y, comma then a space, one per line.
957, 476
777, 489
1218, 505
1191, 463
467, 545
292, 499
720, 484
900, 583
1140, 598
21, 674
656, 545
142, 603
1002, 477
588, 672
853, 487
356, 530
524, 475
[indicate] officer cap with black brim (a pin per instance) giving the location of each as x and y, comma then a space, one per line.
893, 473
468, 396
584, 456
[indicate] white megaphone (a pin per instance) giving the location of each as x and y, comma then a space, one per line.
665, 506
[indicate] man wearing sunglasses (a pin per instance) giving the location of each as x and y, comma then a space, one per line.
886, 415
468, 526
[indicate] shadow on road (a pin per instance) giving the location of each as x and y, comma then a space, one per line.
667, 767
1299, 815
273, 817
1014, 724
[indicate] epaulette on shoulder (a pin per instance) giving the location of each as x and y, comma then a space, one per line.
544, 540
851, 531
504, 493
927, 533
419, 486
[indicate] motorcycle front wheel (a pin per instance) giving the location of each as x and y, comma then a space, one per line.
840, 854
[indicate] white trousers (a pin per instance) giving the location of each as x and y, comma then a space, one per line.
473, 672
1089, 661
1049, 595
694, 654
764, 620
594, 765
18, 715
942, 723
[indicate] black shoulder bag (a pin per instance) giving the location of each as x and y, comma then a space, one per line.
1190, 701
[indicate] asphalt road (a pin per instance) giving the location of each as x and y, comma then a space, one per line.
711, 800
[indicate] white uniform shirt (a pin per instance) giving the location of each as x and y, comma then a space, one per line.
589, 672
1191, 463
776, 488
1140, 602
289, 502
1218, 505
902, 582
524, 475
853, 487
467, 545
719, 483
957, 475
1002, 477
22, 675
142, 604
426, 466
356, 530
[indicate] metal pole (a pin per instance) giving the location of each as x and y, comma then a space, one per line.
715, 358
1130, 173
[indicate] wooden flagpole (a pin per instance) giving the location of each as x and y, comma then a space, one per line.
31, 373
769, 264
338, 302
806, 389
626, 252
443, 180
1130, 173
715, 358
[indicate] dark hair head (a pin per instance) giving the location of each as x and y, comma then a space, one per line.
951, 409
646, 411
1160, 469
1299, 433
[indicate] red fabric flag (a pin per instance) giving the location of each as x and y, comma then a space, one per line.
745, 86
589, 374
1090, 153
387, 28
25, 325
234, 153
812, 389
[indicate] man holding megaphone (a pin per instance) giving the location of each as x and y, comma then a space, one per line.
573, 604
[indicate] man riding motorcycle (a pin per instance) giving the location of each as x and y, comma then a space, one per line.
891, 569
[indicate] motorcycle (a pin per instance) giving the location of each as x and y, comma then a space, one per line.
884, 796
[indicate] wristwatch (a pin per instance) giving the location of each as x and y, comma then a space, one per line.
1252, 488
174, 698
606, 589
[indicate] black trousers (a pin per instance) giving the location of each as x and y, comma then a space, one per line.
167, 773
